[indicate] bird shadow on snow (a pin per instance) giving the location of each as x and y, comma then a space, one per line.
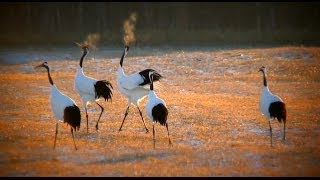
131, 157
102, 158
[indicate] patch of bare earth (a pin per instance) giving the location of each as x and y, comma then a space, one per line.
214, 118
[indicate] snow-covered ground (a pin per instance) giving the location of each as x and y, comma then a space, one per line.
212, 96
25, 55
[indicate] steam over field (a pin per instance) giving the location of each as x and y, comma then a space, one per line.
214, 119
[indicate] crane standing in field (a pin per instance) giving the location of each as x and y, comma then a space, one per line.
133, 86
91, 89
156, 110
272, 106
63, 107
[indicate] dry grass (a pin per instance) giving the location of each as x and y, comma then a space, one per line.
214, 120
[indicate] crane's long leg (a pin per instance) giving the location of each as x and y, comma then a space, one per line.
147, 130
270, 133
55, 137
170, 143
125, 115
102, 109
154, 138
73, 139
87, 119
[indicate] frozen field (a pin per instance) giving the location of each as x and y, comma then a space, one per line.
212, 96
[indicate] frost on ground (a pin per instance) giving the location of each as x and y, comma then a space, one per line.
214, 121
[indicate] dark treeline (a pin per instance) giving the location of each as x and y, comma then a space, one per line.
161, 23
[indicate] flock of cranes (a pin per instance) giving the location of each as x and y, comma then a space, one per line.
136, 87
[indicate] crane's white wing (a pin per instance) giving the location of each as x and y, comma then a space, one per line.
59, 101
132, 81
84, 84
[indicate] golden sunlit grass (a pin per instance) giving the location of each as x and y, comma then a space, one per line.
214, 118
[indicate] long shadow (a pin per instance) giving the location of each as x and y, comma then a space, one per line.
130, 158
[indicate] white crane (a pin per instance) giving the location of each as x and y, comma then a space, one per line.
272, 106
156, 110
133, 86
91, 89
63, 107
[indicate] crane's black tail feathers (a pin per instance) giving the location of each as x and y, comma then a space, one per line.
145, 76
160, 114
278, 110
103, 88
72, 116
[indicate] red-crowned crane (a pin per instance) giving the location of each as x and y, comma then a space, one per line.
133, 86
156, 110
91, 89
272, 106
63, 107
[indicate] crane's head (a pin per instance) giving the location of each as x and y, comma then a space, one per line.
263, 69
84, 47
151, 75
126, 49
45, 65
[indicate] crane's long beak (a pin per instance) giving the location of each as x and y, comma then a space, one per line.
78, 44
41, 65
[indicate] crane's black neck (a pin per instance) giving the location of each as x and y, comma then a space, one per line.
151, 82
82, 57
49, 76
264, 79
122, 57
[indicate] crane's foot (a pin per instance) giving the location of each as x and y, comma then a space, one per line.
147, 130
97, 128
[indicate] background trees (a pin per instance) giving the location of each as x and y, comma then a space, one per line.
161, 23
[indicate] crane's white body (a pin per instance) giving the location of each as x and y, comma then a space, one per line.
265, 100
63, 107
85, 87
272, 106
59, 102
91, 89
156, 110
129, 86
152, 101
